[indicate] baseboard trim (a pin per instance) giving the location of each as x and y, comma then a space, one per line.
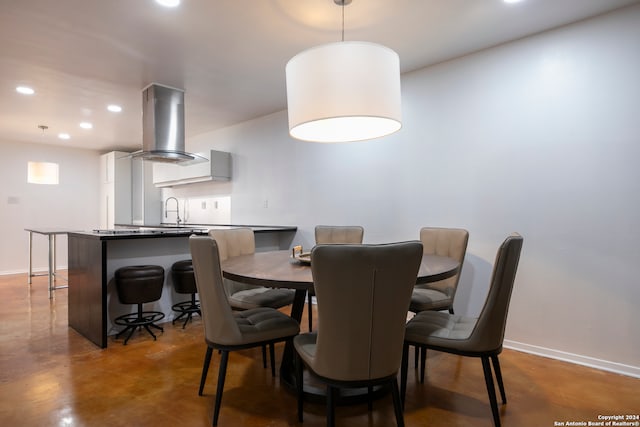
12, 272
39, 271
605, 365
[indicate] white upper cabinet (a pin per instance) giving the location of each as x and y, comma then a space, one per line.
217, 168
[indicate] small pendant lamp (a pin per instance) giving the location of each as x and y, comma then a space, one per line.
344, 91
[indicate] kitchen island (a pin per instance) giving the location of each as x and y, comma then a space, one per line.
94, 256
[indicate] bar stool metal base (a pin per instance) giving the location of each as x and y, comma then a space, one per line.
186, 308
141, 319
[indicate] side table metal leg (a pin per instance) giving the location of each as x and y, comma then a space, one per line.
51, 257
30, 256
54, 259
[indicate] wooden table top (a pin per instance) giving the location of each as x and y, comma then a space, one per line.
277, 269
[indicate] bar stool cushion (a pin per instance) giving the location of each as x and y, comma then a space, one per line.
148, 281
184, 265
139, 284
184, 281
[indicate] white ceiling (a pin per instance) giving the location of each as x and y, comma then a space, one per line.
229, 55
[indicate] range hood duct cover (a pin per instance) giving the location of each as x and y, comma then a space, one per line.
163, 126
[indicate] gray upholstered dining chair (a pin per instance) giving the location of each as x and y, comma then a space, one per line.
241, 241
358, 347
333, 234
224, 329
242, 296
326, 234
469, 336
450, 242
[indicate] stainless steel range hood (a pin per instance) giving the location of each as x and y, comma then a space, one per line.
163, 126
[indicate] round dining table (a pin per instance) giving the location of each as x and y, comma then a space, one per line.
279, 269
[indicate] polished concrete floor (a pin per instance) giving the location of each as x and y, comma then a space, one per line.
52, 376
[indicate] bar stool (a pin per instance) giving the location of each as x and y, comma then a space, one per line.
184, 282
139, 284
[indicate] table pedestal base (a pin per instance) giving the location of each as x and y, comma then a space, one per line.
316, 392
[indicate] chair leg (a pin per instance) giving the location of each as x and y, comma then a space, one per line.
175, 319
331, 406
488, 378
423, 363
403, 372
264, 356
397, 403
189, 318
205, 369
221, 376
416, 356
451, 310
153, 325
131, 329
299, 390
149, 330
310, 308
272, 355
496, 369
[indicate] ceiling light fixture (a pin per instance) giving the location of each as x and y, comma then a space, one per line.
64, 136
25, 90
344, 91
168, 3
86, 125
114, 108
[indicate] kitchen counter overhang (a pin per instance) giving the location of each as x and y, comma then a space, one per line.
140, 233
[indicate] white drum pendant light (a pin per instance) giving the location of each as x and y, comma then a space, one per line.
345, 91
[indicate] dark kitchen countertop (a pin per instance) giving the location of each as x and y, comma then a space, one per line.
255, 228
123, 234
128, 231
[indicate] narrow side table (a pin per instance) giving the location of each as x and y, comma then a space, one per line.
51, 234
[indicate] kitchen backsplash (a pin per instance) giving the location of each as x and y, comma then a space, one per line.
201, 210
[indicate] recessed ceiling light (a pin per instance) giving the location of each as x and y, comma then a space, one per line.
64, 136
114, 108
25, 90
168, 3
512, 1
86, 125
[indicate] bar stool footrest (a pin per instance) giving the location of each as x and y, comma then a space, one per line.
186, 308
143, 319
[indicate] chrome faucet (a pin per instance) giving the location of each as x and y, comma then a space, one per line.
177, 211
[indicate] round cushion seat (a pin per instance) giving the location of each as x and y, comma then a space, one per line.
139, 284
184, 281
184, 265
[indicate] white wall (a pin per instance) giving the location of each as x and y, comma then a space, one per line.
539, 136
72, 204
